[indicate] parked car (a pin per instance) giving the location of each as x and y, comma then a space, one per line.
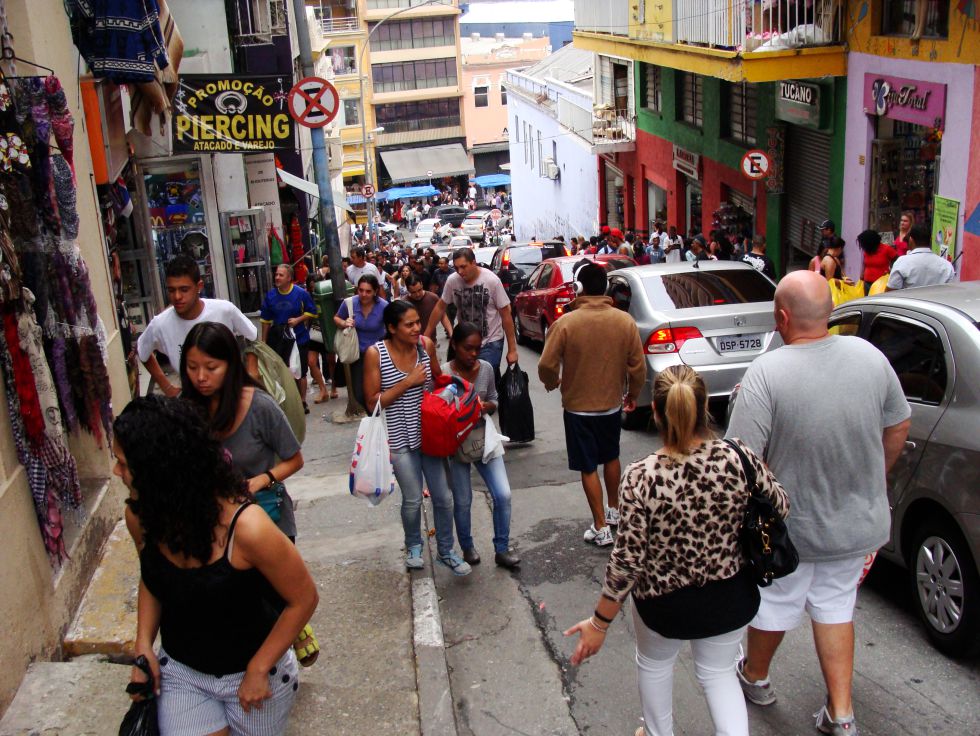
931, 337
514, 262
451, 213
716, 316
475, 223
484, 255
429, 227
549, 290
386, 227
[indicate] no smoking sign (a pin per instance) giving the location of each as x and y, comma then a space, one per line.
756, 164
313, 102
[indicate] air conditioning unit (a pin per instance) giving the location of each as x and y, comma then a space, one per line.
550, 168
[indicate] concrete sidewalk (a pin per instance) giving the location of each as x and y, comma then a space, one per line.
382, 667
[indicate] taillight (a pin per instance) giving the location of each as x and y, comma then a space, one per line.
505, 260
568, 251
670, 339
563, 297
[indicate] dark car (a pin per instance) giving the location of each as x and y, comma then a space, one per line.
549, 289
514, 262
451, 213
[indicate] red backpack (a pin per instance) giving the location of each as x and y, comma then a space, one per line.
449, 413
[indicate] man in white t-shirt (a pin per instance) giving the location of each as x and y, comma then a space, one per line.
359, 266
166, 331
673, 245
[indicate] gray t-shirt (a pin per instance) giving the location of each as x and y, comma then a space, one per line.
479, 302
486, 387
920, 267
815, 413
263, 438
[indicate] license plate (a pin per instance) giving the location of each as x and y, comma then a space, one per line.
739, 343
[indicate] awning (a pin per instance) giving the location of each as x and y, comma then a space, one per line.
434, 162
406, 193
339, 197
354, 170
492, 180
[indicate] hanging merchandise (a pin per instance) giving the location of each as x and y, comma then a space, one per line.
300, 270
277, 249
52, 341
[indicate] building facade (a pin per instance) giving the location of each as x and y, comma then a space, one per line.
551, 19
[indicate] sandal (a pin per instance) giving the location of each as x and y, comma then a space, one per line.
334, 394
306, 646
323, 398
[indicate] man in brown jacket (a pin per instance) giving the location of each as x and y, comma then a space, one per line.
594, 353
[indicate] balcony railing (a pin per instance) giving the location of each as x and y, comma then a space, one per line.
394, 4
602, 16
599, 126
744, 25
339, 25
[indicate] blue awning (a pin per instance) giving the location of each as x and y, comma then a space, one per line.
492, 180
356, 199
406, 193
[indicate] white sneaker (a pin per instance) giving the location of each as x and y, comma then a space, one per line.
612, 517
590, 534
604, 537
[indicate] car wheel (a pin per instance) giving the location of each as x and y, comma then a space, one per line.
638, 419
947, 588
518, 333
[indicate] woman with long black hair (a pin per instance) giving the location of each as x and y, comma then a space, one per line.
210, 565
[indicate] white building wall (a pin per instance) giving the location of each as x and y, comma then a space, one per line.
543, 208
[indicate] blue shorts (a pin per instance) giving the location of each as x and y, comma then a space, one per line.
591, 441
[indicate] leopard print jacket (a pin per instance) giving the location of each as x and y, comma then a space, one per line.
680, 520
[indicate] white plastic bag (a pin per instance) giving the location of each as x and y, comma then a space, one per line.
493, 442
294, 363
371, 474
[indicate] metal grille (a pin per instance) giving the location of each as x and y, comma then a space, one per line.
807, 188
692, 91
742, 110
652, 89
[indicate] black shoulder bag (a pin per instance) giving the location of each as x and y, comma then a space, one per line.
765, 539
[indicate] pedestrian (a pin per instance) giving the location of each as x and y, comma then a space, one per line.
758, 259
920, 266
479, 298
592, 391
674, 246
655, 252
368, 307
399, 282
209, 559
835, 472
703, 591
467, 365
832, 263
359, 266
698, 251
288, 306
902, 236
425, 303
318, 349
167, 331
828, 239
397, 370
878, 257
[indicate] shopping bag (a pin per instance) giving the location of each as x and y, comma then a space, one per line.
878, 286
514, 405
295, 368
278, 382
141, 718
371, 474
493, 442
842, 292
345, 343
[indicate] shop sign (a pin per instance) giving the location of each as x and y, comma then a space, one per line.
909, 100
798, 102
686, 162
223, 113
945, 214
775, 148
263, 186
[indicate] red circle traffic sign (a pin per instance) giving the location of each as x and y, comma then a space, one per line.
495, 214
313, 102
756, 164
368, 190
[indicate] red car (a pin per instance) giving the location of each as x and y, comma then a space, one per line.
549, 290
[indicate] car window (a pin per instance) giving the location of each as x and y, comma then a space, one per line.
845, 324
533, 278
613, 263
544, 278
915, 352
708, 288
621, 293
524, 257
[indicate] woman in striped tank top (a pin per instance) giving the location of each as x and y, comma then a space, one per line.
397, 370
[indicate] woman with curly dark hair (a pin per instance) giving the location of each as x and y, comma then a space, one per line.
211, 565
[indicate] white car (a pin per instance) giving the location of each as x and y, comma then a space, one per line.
475, 223
427, 228
484, 255
460, 241
386, 227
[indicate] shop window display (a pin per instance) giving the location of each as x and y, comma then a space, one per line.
905, 163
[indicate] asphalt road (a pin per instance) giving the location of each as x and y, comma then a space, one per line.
509, 662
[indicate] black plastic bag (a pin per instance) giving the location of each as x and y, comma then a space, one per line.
141, 718
514, 405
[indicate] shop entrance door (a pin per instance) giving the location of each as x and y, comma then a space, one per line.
656, 205
247, 257
614, 196
694, 197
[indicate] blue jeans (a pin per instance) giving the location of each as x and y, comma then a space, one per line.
494, 474
410, 466
492, 352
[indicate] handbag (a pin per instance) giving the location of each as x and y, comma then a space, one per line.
270, 499
346, 345
316, 335
764, 536
471, 449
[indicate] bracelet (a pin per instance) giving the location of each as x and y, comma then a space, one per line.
272, 478
601, 617
597, 627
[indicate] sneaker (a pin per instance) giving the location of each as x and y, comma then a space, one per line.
835, 726
590, 534
759, 692
456, 564
604, 537
413, 561
612, 517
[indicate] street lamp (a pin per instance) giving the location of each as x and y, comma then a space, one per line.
364, 133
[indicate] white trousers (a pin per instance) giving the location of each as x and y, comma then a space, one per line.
714, 667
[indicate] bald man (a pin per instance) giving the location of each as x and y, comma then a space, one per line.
832, 457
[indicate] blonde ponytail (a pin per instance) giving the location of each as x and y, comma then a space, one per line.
681, 402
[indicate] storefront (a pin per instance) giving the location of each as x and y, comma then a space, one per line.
689, 165
614, 191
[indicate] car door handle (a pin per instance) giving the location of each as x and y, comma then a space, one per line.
909, 447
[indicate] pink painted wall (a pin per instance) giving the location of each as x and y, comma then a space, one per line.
970, 268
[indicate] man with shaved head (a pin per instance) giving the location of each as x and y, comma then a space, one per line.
832, 457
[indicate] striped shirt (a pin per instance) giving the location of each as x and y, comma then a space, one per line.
405, 413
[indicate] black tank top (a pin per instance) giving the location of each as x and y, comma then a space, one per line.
213, 618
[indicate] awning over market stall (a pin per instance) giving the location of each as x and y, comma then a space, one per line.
492, 180
432, 162
406, 193
339, 196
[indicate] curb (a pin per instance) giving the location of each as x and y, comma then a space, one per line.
436, 713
